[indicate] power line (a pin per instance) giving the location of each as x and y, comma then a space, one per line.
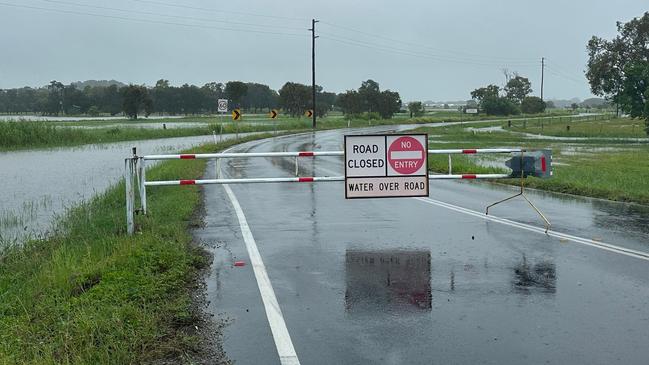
172, 5
419, 45
131, 11
407, 52
149, 20
557, 72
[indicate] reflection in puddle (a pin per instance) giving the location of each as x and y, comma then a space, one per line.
539, 276
387, 280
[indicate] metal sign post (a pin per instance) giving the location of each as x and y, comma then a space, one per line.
222, 109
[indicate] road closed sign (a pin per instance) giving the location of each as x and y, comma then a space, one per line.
386, 166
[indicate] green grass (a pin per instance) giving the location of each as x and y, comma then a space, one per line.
92, 295
613, 170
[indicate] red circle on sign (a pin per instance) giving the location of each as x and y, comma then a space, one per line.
406, 155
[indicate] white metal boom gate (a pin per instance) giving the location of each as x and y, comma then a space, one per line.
135, 173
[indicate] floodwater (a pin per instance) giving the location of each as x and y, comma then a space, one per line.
44, 118
39, 185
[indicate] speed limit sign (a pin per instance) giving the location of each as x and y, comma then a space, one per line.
223, 105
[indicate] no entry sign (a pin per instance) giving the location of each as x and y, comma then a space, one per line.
386, 166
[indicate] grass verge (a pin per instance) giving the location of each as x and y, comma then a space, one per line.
92, 295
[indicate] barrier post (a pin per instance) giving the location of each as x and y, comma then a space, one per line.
450, 165
128, 180
142, 186
296, 167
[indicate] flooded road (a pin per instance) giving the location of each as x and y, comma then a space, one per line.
38, 185
414, 281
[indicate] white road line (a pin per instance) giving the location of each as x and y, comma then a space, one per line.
283, 343
584, 241
285, 349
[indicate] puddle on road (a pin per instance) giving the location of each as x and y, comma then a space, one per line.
387, 280
531, 276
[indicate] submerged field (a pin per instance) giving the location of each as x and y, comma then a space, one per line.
16, 135
601, 166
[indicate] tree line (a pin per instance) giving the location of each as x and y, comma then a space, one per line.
165, 99
618, 69
512, 99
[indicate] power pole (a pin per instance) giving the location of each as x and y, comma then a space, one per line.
542, 74
313, 37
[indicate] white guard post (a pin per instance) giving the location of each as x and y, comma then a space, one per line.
131, 165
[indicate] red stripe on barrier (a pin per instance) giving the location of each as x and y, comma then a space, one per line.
469, 151
469, 176
305, 179
543, 166
187, 182
305, 154
187, 157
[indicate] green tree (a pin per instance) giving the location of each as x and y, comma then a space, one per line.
532, 105
324, 101
259, 96
136, 100
55, 98
617, 67
607, 60
212, 92
518, 88
389, 103
371, 95
498, 105
351, 103
235, 91
295, 98
485, 92
111, 101
416, 109
634, 94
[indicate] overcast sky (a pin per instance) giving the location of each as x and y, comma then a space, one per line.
425, 50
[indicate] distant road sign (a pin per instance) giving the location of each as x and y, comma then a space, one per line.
471, 111
309, 113
223, 106
273, 114
236, 114
386, 166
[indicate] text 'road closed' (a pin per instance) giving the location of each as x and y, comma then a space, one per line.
382, 166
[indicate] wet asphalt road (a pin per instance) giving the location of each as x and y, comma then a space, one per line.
405, 281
